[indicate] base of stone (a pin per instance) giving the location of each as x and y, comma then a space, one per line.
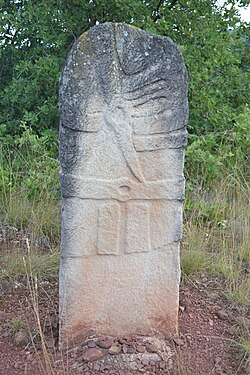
122, 354
128, 295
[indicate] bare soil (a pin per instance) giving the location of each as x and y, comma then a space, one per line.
209, 329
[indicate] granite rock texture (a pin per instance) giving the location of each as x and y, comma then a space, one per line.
123, 111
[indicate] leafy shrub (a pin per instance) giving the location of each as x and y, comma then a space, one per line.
29, 164
212, 156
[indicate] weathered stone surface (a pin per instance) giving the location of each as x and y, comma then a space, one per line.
92, 354
115, 349
123, 105
105, 343
151, 348
140, 349
91, 344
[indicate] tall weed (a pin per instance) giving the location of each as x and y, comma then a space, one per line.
217, 236
29, 182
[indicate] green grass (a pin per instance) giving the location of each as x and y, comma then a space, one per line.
39, 216
239, 290
194, 254
216, 236
17, 325
244, 346
217, 239
29, 185
216, 227
43, 266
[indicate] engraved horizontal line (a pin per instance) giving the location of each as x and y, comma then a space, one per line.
162, 147
145, 95
152, 99
90, 256
135, 253
79, 130
150, 112
124, 181
159, 133
160, 111
164, 81
160, 142
168, 244
128, 200
177, 131
69, 128
72, 185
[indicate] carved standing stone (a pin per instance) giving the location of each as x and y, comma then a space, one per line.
123, 105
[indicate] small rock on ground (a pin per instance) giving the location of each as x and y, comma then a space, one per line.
92, 354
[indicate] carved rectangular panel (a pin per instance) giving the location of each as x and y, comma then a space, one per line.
78, 238
108, 228
137, 227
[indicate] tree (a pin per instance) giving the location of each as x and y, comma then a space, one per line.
36, 36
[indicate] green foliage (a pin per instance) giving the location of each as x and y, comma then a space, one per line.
31, 95
36, 36
244, 346
29, 182
17, 325
214, 155
27, 164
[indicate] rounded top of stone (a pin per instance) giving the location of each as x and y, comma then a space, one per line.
125, 31
117, 60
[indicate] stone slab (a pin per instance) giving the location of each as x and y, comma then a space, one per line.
121, 296
123, 112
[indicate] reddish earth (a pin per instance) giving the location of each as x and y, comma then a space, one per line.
209, 329
206, 343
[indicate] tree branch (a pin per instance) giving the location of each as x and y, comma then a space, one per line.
173, 2
159, 5
157, 14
